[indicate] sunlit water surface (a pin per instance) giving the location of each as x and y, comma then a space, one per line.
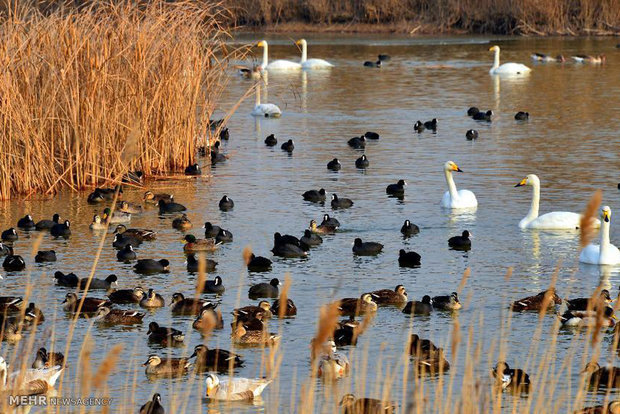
570, 141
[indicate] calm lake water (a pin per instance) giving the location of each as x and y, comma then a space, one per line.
570, 141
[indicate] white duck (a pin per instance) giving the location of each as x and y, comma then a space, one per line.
311, 63
507, 68
265, 110
333, 365
604, 253
276, 64
235, 389
454, 198
556, 220
30, 381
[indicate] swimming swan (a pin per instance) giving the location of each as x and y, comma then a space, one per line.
604, 253
556, 220
276, 64
265, 110
454, 198
507, 68
311, 63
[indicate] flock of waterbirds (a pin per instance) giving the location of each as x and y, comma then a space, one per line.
249, 325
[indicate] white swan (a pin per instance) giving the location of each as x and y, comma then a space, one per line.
311, 63
454, 198
265, 110
235, 389
276, 64
507, 68
604, 253
30, 381
556, 220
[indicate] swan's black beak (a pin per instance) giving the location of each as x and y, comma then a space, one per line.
458, 169
606, 216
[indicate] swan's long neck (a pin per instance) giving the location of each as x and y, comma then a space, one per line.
257, 102
304, 52
533, 213
604, 247
451, 186
265, 54
495, 60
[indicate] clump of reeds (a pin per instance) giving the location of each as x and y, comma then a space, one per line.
80, 87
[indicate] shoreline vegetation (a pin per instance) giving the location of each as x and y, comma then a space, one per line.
90, 93
501, 17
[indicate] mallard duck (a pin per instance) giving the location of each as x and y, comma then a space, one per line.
341, 203
96, 197
26, 223
611, 408
249, 312
61, 229
151, 198
546, 297
118, 317
513, 379
155, 366
163, 335
389, 296
141, 234
116, 217
13, 263
289, 310
98, 223
90, 305
193, 245
152, 300
357, 306
126, 296
9, 235
209, 319
345, 335
242, 336
186, 306
193, 264
602, 377
46, 359
234, 389
103, 284
333, 364
154, 406
45, 256
582, 304
323, 228
361, 248
28, 381
214, 286
258, 263
182, 223
541, 57
408, 259
127, 207
265, 290
586, 319
315, 196
590, 59
67, 280
133, 177
450, 302
47, 224
151, 266
215, 359
351, 405
170, 207
33, 315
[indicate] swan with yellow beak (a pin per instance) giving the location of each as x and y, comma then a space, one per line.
276, 65
509, 68
311, 63
603, 253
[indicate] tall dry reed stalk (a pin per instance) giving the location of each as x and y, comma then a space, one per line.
80, 87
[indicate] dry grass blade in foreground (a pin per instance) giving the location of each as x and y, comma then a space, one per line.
588, 230
80, 88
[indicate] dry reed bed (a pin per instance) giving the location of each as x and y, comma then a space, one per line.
88, 94
472, 16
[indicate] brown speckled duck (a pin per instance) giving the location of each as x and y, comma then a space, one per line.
155, 366
546, 297
390, 297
